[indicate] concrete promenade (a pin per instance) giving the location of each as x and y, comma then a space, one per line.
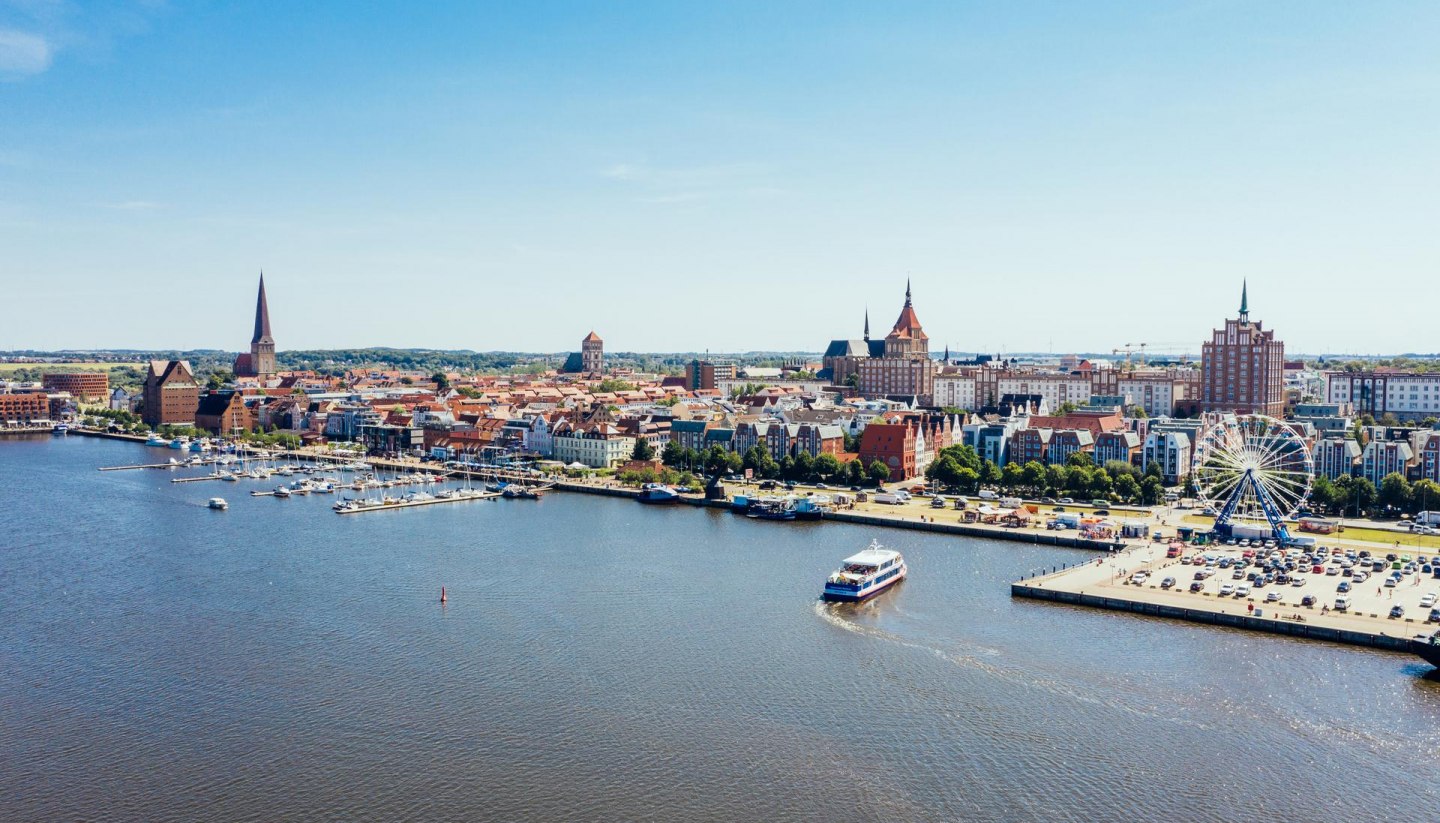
1107, 583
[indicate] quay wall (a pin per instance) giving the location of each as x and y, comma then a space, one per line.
1238, 621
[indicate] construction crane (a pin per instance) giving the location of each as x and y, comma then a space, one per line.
1130, 349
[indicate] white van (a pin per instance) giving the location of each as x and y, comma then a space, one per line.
986, 494
1342, 604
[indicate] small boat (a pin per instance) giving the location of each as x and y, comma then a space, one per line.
180, 443
865, 574
229, 476
281, 491
218, 503
60, 430
157, 441
658, 493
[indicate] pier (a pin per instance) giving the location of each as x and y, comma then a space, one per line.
385, 507
1108, 583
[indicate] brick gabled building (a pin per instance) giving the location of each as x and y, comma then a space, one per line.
222, 413
171, 394
894, 444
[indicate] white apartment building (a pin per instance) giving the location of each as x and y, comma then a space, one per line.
1407, 395
1381, 457
1172, 450
1335, 456
957, 390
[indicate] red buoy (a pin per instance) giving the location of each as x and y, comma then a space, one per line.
442, 594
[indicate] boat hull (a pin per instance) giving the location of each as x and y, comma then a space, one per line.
845, 596
1428, 651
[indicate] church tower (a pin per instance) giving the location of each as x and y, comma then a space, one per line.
260, 362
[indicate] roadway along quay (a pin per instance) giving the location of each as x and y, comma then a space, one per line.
1338, 595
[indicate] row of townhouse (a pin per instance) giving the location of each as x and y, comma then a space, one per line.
1160, 392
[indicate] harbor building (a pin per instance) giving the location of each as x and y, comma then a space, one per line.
171, 394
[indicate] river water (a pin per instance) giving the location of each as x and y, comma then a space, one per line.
599, 659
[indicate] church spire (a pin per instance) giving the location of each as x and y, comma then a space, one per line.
867, 322
1244, 300
262, 316
907, 291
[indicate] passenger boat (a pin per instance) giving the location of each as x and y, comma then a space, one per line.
281, 491
658, 493
180, 443
157, 441
1428, 648
218, 503
866, 574
771, 510
811, 508
60, 429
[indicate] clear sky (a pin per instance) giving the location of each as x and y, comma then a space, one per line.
683, 176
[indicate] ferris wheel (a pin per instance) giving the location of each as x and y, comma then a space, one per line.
1252, 468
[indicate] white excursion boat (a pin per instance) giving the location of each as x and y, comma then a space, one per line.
866, 574
218, 503
157, 440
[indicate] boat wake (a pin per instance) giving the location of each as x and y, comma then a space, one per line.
834, 614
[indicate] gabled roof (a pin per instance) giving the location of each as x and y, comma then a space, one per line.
907, 325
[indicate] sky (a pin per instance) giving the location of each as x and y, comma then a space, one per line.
735, 176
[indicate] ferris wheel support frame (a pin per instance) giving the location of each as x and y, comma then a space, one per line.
1267, 505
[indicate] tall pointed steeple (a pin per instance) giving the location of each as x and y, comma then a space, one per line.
867, 322
1244, 300
907, 291
262, 316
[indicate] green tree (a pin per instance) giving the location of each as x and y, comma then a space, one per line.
1119, 467
804, 465
855, 472
967, 480
1126, 488
440, 380
1324, 496
1066, 408
1080, 460
990, 474
1056, 477
1012, 476
1395, 491
643, 450
1033, 476
1138, 412
827, 467
673, 455
1424, 494
1151, 490
878, 472
1100, 485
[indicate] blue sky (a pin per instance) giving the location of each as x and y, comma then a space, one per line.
683, 176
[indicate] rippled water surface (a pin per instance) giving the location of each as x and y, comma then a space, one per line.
599, 659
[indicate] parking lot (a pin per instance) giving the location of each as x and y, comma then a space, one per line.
1324, 580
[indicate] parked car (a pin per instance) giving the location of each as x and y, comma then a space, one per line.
1397, 611
1197, 586
1272, 597
1167, 583
1307, 600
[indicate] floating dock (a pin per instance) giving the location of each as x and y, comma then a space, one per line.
414, 503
